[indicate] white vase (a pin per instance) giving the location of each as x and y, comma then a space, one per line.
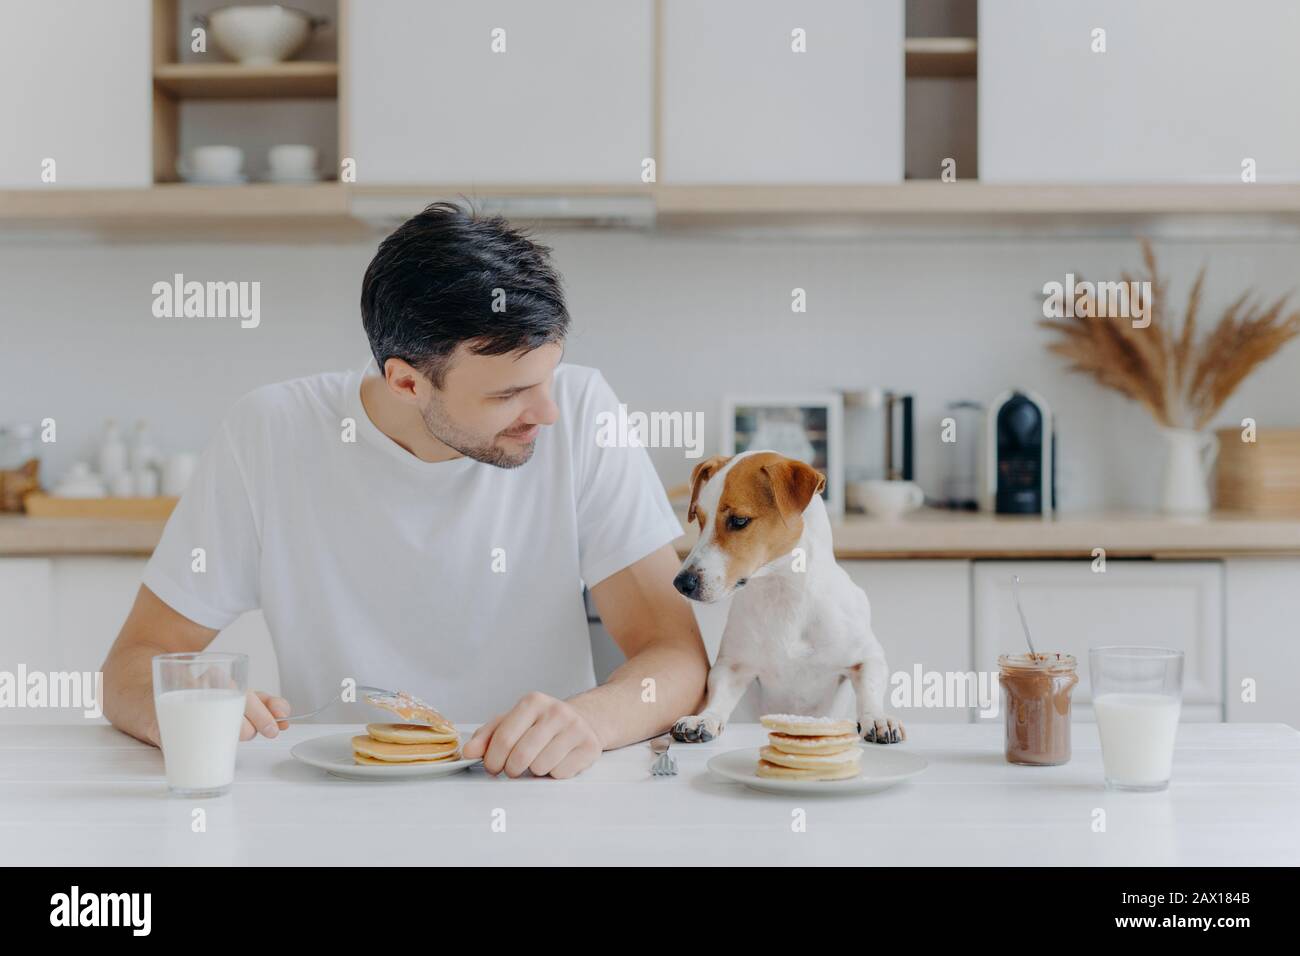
1189, 455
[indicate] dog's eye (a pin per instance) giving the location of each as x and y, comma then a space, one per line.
736, 522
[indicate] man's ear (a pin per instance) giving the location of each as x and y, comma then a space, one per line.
793, 484
702, 473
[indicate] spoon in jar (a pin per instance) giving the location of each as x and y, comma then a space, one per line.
1015, 580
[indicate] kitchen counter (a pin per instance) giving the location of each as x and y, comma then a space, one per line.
932, 533
88, 795
924, 534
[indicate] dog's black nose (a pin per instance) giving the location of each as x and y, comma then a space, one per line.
687, 583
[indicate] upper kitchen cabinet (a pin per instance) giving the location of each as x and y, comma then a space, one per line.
507, 91
775, 91
75, 94
1161, 91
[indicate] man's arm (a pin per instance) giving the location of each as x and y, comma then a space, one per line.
654, 627
154, 628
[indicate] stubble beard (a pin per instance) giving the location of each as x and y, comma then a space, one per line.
469, 445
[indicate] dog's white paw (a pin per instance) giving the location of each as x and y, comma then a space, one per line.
881, 730
696, 730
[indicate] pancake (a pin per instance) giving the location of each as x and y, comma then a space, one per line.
412, 710
845, 772
410, 734
787, 743
848, 757
363, 759
797, 725
401, 753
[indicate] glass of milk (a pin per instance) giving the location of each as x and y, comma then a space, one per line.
1137, 693
199, 699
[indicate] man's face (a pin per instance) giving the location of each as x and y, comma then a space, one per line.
492, 407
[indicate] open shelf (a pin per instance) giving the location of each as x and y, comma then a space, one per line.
291, 80
941, 56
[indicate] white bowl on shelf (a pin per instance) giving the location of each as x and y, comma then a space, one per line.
257, 36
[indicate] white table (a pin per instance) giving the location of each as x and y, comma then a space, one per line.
87, 794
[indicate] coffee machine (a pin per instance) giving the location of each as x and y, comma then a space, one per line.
1020, 455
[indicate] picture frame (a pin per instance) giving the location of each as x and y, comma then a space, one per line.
809, 427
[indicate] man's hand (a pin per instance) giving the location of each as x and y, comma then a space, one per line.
261, 711
542, 734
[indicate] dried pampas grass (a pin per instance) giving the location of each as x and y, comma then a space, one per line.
1182, 380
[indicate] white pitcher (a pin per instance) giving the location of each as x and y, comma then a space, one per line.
1189, 455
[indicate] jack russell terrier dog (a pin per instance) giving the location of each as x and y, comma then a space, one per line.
798, 622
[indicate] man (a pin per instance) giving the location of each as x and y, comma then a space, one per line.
427, 523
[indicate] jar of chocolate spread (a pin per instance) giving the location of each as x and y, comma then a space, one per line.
1036, 701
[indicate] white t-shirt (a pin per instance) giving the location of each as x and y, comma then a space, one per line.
372, 564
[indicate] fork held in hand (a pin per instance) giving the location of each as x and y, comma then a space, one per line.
362, 691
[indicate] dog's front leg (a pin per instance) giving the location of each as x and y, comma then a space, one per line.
870, 677
728, 681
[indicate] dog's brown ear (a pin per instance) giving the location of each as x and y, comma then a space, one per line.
702, 473
793, 483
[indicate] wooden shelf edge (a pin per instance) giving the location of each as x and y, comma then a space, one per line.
922, 201
292, 80
175, 201
949, 57
934, 198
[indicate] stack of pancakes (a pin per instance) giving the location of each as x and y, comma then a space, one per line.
425, 737
405, 744
809, 748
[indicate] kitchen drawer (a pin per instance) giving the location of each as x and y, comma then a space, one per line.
920, 612
739, 106
63, 614
1070, 608
26, 612
1263, 615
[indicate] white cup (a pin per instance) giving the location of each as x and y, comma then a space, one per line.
212, 163
890, 499
292, 161
145, 482
177, 471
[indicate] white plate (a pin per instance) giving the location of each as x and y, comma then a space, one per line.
882, 766
334, 754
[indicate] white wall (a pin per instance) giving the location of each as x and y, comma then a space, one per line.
675, 320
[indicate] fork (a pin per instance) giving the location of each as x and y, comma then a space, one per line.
665, 764
312, 713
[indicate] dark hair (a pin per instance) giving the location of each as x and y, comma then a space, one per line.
433, 284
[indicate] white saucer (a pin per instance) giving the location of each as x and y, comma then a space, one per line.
334, 755
205, 181
293, 180
882, 766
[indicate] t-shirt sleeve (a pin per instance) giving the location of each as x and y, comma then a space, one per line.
214, 514
623, 511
